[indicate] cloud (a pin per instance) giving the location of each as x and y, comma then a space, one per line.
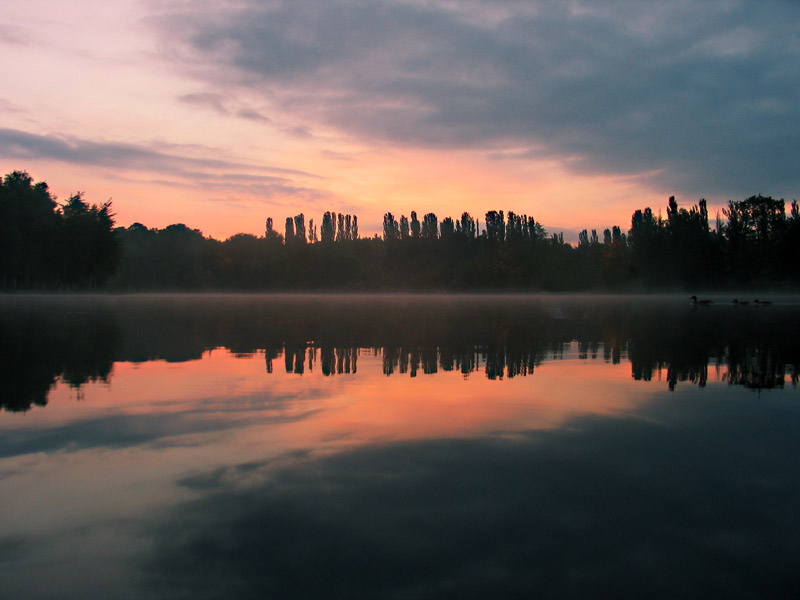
215, 102
252, 115
698, 96
222, 105
14, 35
9, 107
21, 144
193, 171
12, 547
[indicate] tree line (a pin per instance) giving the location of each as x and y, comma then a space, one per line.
754, 242
46, 245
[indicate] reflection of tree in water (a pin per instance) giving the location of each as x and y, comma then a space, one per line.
77, 340
749, 347
674, 344
759, 367
298, 359
40, 348
588, 349
495, 362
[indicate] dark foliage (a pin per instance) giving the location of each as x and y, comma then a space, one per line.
77, 339
75, 246
511, 251
44, 245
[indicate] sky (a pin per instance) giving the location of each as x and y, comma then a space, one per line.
219, 114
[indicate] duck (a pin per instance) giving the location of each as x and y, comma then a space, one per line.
737, 303
696, 301
757, 301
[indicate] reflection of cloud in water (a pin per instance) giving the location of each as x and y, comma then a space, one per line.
165, 430
629, 506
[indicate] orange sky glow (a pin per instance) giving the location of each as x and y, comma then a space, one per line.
205, 114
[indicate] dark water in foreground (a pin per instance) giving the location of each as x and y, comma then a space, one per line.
398, 447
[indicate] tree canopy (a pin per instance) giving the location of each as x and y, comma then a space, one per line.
46, 245
75, 245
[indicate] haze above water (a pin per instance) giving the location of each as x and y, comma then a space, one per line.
398, 447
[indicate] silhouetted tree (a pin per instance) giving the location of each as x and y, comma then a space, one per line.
467, 226
390, 228
430, 227
415, 228
328, 230
648, 240
448, 229
340, 234
312, 232
404, 228
495, 226
29, 233
90, 249
754, 232
300, 228
269, 232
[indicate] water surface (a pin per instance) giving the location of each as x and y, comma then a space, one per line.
398, 447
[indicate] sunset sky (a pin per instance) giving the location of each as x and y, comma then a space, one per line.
219, 114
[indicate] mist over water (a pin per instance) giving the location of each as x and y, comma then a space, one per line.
390, 446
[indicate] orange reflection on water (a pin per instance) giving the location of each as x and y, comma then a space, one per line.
131, 442
445, 404
313, 410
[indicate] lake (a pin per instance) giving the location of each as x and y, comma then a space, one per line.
224, 446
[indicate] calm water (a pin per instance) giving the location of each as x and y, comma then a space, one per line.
398, 447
